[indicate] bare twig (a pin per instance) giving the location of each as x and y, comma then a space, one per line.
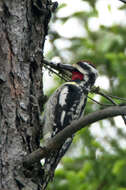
97, 91
64, 70
107, 97
56, 141
103, 105
116, 97
54, 72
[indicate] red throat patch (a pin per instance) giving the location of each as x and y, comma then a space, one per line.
77, 75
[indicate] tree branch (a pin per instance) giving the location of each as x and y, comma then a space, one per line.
97, 91
56, 141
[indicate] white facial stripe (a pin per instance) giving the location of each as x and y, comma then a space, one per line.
80, 69
84, 71
91, 67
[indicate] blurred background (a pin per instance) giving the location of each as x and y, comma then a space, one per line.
93, 30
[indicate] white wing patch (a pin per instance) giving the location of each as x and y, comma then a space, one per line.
62, 102
62, 117
63, 95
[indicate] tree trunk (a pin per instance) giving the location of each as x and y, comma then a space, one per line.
23, 27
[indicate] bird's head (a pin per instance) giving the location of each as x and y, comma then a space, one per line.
84, 71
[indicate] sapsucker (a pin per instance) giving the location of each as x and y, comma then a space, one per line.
65, 105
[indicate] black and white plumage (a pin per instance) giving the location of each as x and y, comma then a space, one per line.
66, 105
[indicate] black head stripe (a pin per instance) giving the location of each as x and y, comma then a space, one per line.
91, 64
84, 66
92, 78
81, 63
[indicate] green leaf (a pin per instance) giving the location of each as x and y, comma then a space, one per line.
119, 166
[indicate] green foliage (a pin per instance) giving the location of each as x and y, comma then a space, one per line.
93, 162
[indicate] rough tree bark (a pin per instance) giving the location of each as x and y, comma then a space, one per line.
23, 27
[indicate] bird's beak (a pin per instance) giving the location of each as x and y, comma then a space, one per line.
67, 67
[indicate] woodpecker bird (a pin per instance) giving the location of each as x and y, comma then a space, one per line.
64, 106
